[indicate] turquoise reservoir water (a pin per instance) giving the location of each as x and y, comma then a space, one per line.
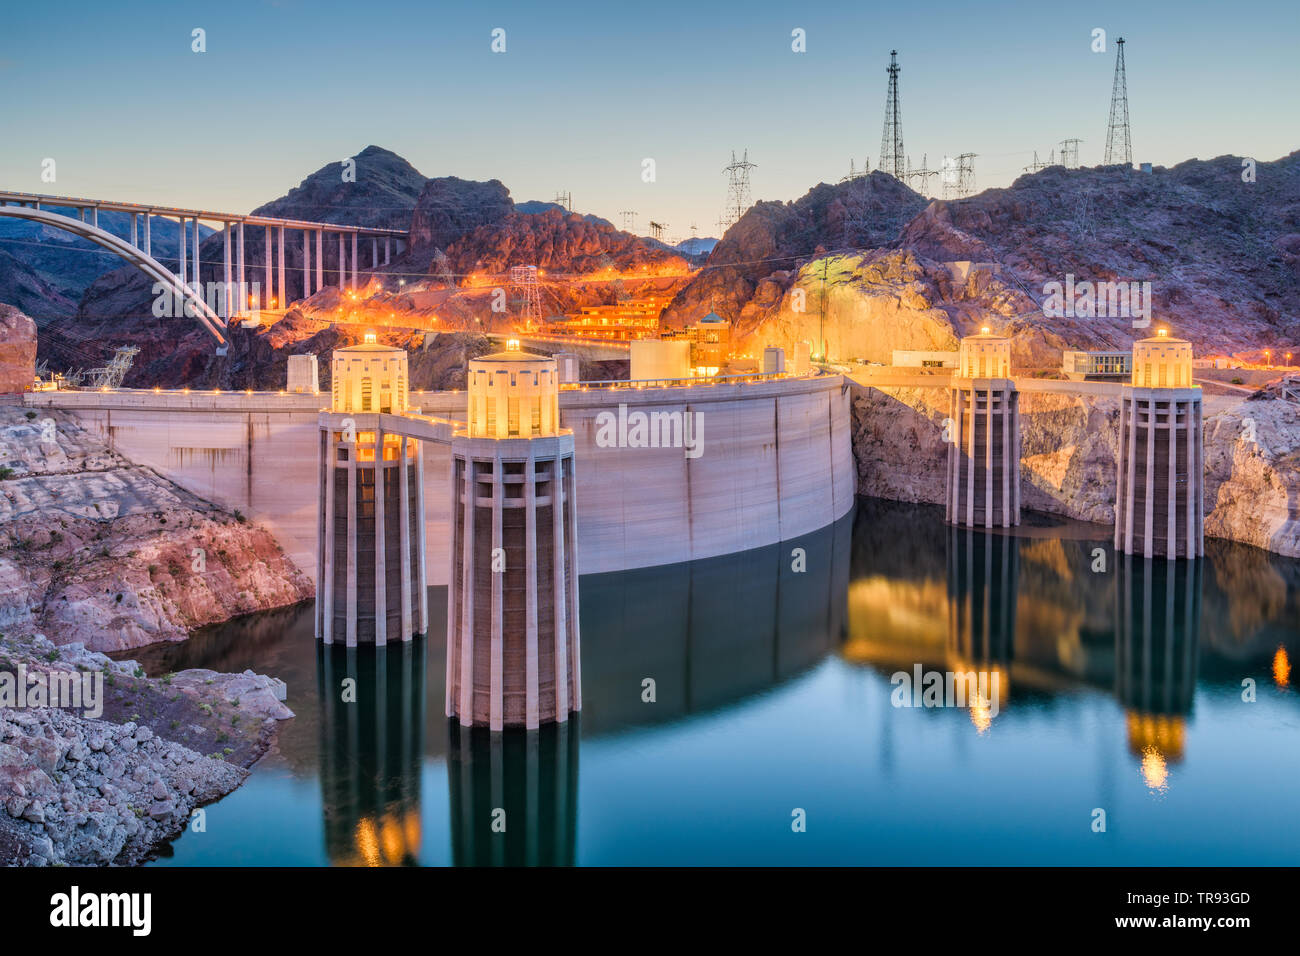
1109, 685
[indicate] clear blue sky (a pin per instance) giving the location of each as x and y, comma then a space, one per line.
585, 91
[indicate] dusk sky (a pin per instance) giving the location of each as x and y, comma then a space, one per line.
586, 91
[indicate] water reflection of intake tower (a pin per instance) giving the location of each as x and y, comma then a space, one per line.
372, 745
983, 577
1157, 625
514, 795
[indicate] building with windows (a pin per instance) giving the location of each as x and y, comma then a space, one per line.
1096, 366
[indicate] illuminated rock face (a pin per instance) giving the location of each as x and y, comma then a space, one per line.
512, 599
17, 350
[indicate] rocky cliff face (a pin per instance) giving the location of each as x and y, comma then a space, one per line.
557, 242
1069, 446
449, 208
17, 350
27, 290
84, 788
96, 550
1222, 257
773, 238
1220, 253
873, 303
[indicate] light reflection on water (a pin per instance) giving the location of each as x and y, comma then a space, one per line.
1118, 688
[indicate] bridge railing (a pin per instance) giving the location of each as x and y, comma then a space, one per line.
685, 382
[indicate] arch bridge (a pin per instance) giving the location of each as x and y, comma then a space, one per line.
137, 248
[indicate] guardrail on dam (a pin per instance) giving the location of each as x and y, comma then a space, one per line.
775, 462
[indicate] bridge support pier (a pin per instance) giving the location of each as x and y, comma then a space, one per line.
182, 256
243, 287
283, 300
306, 264
198, 281
343, 262
148, 239
225, 291
354, 260
320, 259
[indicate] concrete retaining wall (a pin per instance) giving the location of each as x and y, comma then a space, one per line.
776, 463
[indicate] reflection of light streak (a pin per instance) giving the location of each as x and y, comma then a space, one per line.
368, 842
980, 714
1281, 668
1154, 770
394, 846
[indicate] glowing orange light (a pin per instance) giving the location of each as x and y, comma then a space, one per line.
1155, 771
1281, 668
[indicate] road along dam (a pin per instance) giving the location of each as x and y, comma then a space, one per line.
760, 461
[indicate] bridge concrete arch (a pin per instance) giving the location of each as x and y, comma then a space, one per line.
150, 266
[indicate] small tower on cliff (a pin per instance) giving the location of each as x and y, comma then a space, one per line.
1159, 504
984, 438
512, 597
370, 545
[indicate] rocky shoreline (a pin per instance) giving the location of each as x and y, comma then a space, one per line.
112, 789
99, 550
101, 554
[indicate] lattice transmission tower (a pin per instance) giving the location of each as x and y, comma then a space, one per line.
959, 176
1119, 148
891, 138
1035, 166
1070, 153
919, 178
855, 173
523, 282
629, 219
737, 190
112, 374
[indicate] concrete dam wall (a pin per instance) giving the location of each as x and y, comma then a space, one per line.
774, 463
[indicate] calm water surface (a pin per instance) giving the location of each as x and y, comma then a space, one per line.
1119, 689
